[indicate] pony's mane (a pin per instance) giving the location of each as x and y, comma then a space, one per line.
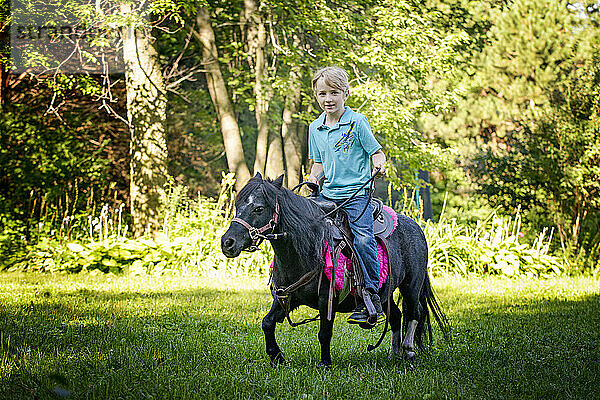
299, 217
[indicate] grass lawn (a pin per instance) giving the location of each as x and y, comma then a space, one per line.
90, 336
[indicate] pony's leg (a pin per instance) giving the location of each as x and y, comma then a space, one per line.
412, 311
325, 329
409, 340
275, 315
395, 318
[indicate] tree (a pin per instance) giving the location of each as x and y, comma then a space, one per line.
146, 97
146, 113
256, 42
290, 127
218, 92
4, 50
525, 111
285, 145
537, 87
393, 65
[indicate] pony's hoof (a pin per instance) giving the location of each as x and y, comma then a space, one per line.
324, 364
395, 355
278, 359
409, 355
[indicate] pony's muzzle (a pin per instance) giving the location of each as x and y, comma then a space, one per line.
234, 241
228, 247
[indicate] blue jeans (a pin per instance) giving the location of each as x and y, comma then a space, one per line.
364, 239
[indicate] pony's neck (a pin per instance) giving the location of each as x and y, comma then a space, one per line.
299, 252
290, 266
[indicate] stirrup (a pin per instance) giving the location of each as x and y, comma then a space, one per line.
359, 316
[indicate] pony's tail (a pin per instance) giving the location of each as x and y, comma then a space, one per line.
429, 302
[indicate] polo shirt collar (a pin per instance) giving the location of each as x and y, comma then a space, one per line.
344, 120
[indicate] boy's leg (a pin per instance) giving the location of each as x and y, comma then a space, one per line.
364, 240
366, 247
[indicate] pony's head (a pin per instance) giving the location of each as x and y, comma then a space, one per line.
255, 206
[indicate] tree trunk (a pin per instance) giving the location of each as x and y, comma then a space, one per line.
218, 93
146, 112
3, 71
290, 130
256, 43
275, 164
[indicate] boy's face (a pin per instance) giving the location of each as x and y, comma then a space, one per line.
330, 99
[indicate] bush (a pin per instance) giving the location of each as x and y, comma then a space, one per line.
190, 242
492, 247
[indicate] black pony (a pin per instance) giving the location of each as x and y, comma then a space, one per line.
298, 242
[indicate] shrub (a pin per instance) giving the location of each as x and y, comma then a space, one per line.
189, 242
492, 247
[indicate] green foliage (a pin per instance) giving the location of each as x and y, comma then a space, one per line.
453, 192
44, 157
399, 56
62, 84
511, 88
550, 158
524, 125
48, 172
190, 242
12, 239
491, 248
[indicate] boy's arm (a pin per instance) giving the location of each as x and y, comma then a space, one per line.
315, 172
378, 161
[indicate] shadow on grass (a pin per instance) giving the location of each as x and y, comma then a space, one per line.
76, 340
528, 349
207, 343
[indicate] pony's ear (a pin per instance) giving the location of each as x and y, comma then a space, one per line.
278, 182
258, 176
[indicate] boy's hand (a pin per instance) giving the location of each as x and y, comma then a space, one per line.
379, 172
379, 162
316, 172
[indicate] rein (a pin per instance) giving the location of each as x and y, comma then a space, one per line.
370, 181
282, 296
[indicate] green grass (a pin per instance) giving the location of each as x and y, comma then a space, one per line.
96, 336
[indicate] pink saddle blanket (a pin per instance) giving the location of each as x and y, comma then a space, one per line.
345, 263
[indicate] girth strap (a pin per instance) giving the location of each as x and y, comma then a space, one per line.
282, 295
336, 257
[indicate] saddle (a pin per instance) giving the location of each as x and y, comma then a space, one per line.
383, 226
383, 223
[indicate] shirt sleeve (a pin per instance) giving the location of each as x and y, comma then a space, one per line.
313, 150
366, 137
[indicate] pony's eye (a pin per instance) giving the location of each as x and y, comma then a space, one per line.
258, 210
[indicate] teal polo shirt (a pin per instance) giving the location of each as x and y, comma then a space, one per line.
345, 151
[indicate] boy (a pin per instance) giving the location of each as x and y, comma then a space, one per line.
342, 146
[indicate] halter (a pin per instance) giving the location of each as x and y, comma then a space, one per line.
256, 234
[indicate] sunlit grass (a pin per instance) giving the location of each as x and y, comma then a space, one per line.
101, 336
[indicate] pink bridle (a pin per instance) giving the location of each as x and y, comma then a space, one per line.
257, 234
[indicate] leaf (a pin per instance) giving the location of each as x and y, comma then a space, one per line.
75, 247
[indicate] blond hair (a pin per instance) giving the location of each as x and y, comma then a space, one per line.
335, 77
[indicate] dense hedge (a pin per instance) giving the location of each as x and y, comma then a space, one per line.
190, 243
